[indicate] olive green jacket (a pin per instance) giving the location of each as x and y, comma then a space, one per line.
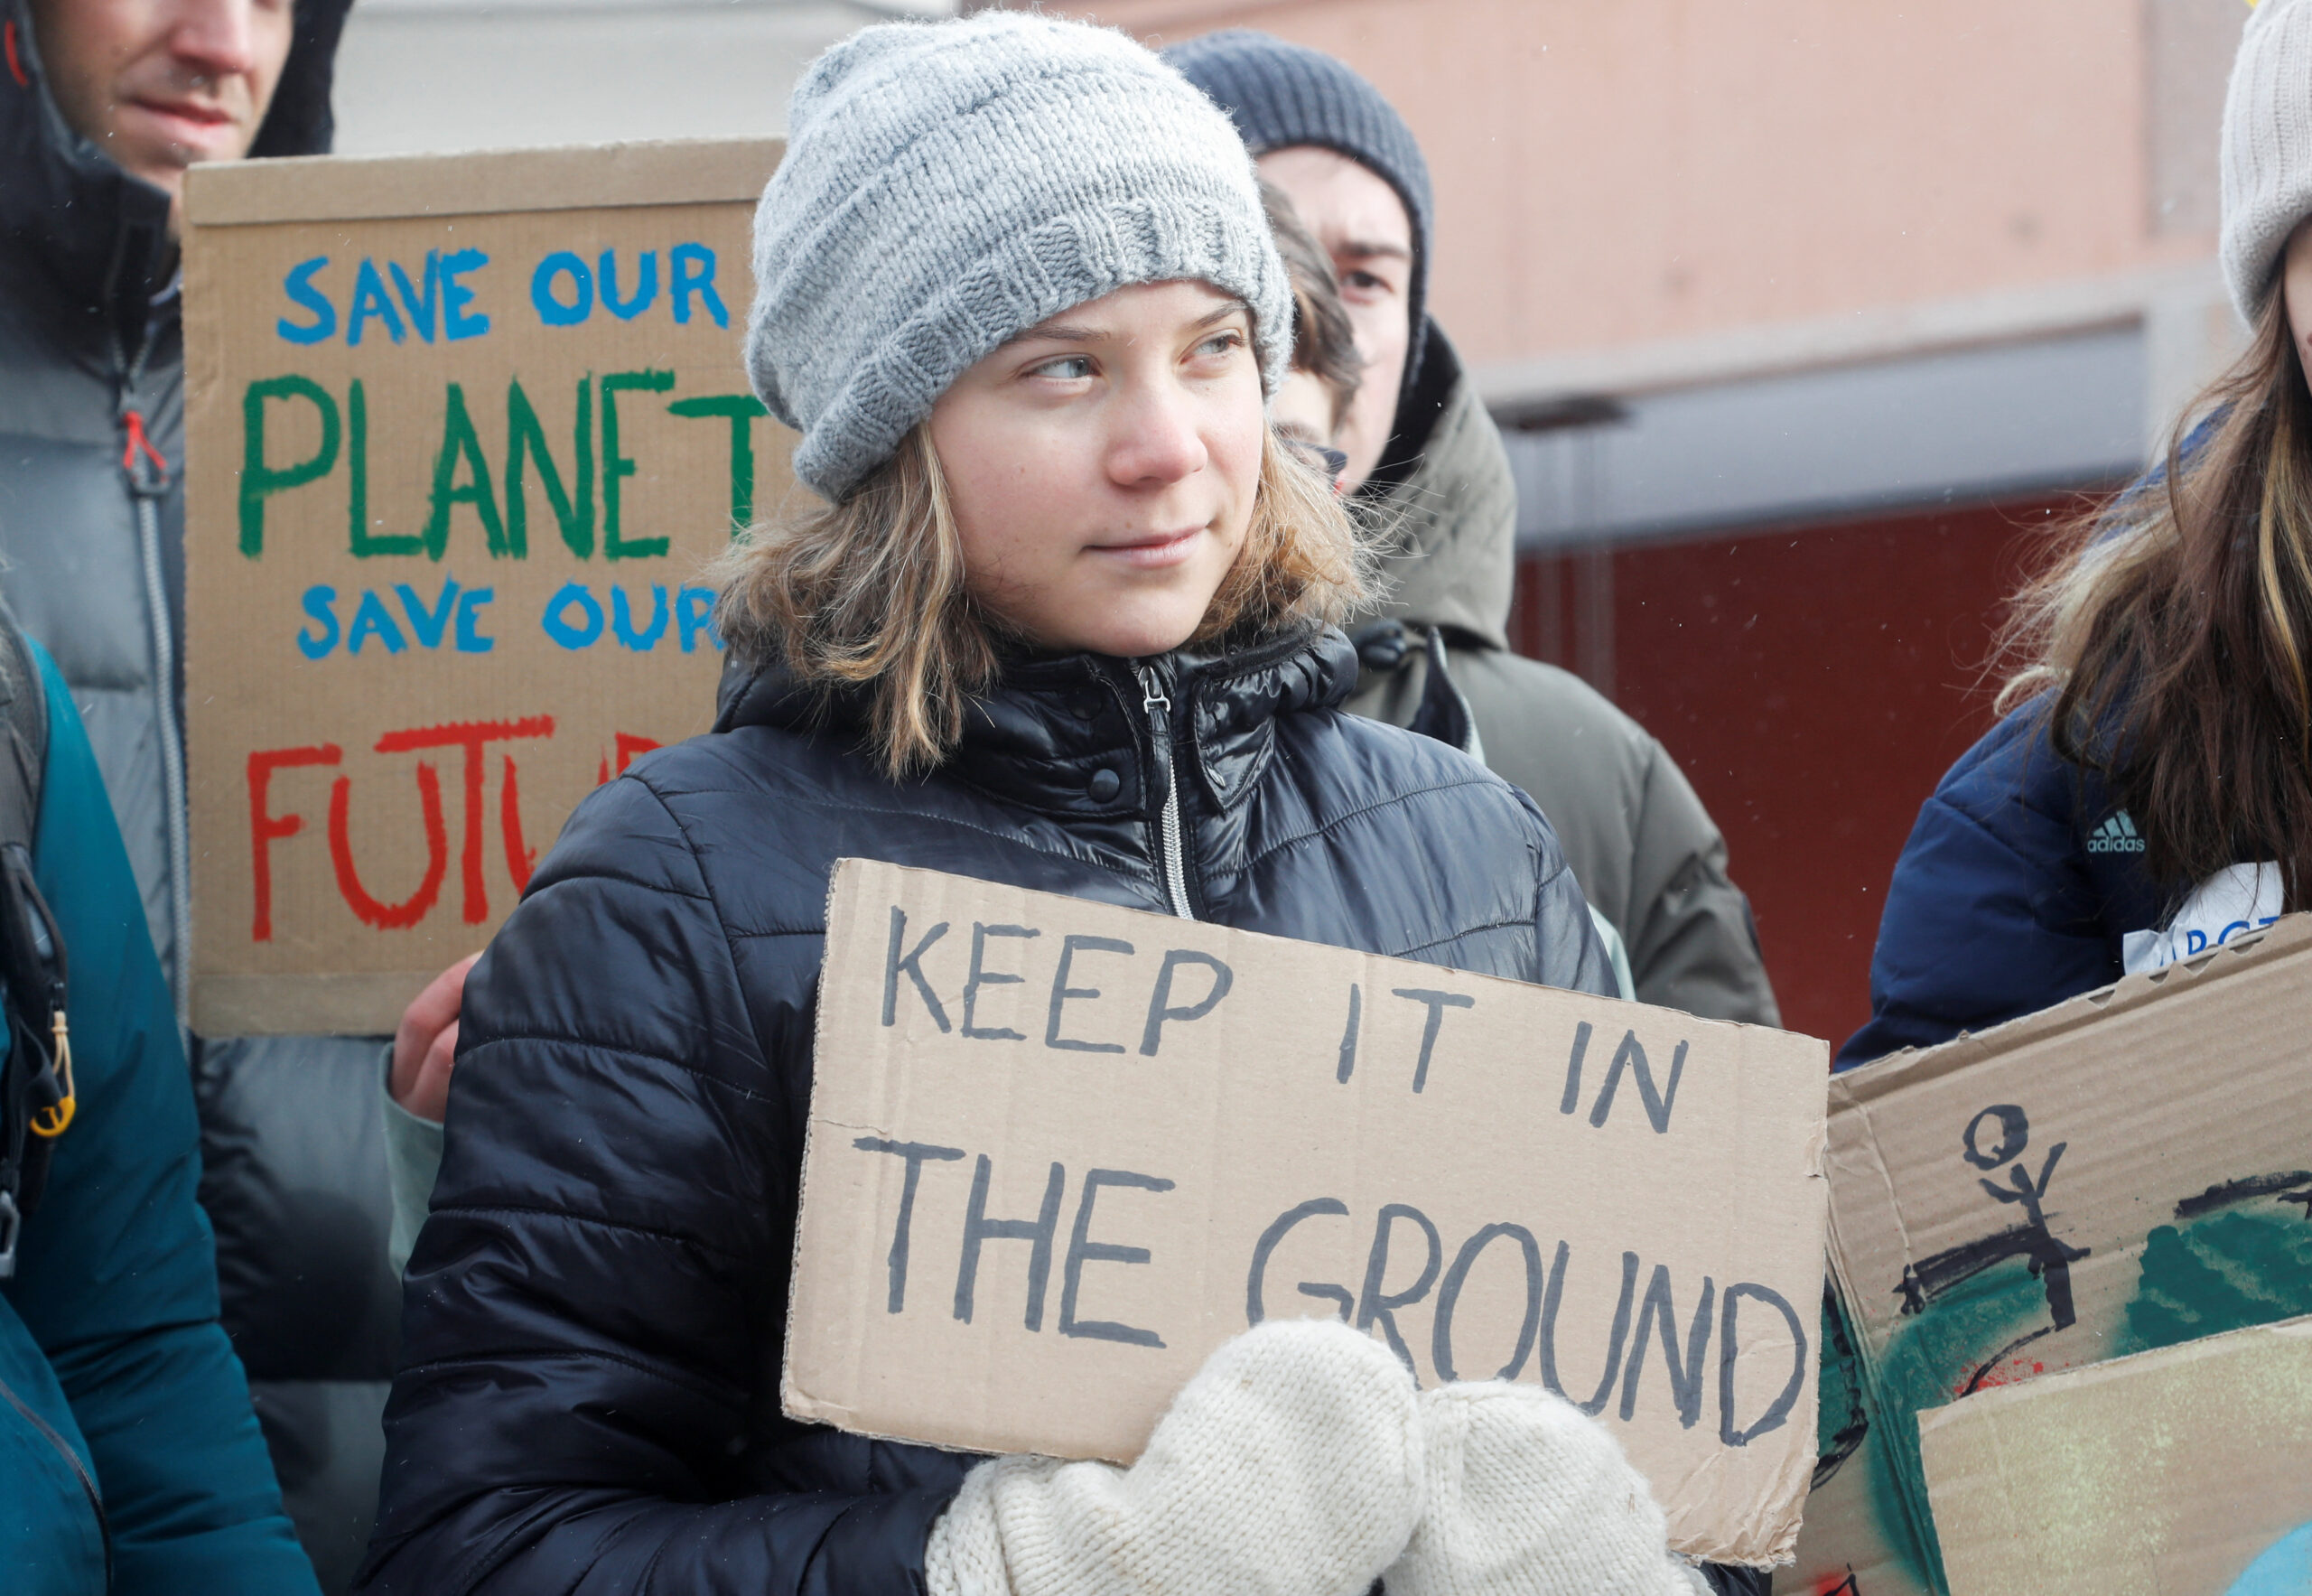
1647, 852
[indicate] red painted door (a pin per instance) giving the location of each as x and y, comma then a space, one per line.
1813, 684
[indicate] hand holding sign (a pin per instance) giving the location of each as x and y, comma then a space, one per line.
1291, 1462
425, 1044
1525, 1495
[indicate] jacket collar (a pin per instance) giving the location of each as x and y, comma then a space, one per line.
1450, 556
1055, 729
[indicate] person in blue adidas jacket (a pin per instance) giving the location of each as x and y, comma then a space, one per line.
1998, 907
130, 1459
2148, 796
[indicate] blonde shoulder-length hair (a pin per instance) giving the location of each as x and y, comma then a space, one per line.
871, 593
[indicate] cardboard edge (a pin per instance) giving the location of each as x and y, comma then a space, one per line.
1951, 1487
812, 1410
1780, 1546
343, 1004
564, 177
2054, 1382
2291, 935
794, 1401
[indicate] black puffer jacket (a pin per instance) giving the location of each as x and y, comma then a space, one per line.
589, 1397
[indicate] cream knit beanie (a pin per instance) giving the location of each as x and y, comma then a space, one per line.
2267, 148
948, 186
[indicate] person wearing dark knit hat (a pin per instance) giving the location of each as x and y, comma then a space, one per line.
1425, 458
1340, 152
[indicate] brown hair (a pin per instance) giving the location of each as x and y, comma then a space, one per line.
869, 593
1324, 344
2173, 632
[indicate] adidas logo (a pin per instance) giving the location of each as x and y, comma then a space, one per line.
2116, 835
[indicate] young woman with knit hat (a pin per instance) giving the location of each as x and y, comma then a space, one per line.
1059, 618
2148, 794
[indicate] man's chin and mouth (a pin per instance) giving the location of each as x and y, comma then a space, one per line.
161, 137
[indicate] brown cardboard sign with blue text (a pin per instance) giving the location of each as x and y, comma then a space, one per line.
462, 433
1059, 1151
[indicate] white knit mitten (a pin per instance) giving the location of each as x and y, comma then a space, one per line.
1289, 1466
1528, 1495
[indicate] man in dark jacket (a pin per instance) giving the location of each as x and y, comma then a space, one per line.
103, 103
129, 1460
1431, 467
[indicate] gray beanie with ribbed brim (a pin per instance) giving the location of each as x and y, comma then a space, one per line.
1280, 94
948, 185
2267, 160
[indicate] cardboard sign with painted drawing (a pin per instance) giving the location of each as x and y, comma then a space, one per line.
2127, 1171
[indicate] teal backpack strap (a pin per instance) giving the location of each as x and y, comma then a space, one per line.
36, 1092
23, 733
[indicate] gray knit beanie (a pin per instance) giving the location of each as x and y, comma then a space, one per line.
949, 185
1280, 94
2267, 148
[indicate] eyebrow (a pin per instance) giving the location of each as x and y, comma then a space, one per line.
1368, 250
1075, 332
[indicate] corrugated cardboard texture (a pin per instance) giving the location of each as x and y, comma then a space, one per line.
2123, 1171
2164, 1474
462, 433
1611, 1227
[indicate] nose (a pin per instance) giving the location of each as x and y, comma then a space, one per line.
215, 38
1157, 441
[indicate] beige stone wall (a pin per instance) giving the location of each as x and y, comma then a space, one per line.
1657, 179
1632, 195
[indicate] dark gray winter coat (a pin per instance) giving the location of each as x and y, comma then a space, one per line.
1647, 854
589, 1394
91, 559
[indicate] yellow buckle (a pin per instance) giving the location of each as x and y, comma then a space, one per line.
54, 1122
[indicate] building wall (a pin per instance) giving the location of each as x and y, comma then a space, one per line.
1814, 682
437, 76
1617, 175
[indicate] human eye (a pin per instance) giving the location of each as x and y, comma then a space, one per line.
1358, 281
1064, 369
1226, 341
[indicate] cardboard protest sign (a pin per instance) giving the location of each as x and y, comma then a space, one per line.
2182, 1473
1059, 1151
460, 434
2125, 1171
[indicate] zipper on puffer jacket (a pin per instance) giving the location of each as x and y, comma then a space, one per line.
148, 482
1171, 856
72, 1460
